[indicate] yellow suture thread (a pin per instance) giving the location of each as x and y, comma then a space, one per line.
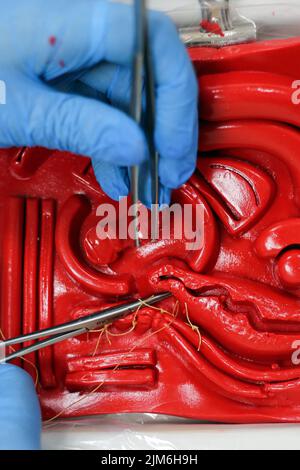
194, 327
176, 309
97, 388
36, 383
159, 309
94, 390
109, 333
98, 342
132, 328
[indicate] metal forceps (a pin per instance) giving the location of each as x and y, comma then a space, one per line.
142, 66
75, 328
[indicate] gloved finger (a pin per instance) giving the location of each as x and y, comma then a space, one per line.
71, 123
20, 417
177, 140
77, 87
174, 172
176, 130
111, 39
174, 175
145, 187
113, 179
113, 81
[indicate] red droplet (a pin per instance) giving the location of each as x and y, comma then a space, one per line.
52, 40
62, 63
212, 27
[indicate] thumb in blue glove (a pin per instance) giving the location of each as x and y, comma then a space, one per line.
50, 46
20, 419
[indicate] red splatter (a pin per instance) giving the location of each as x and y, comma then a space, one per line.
52, 40
62, 63
211, 27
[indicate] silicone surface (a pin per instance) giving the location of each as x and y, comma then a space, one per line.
222, 347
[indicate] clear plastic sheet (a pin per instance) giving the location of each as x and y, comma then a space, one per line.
154, 433
274, 19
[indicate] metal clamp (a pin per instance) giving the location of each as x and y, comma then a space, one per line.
221, 26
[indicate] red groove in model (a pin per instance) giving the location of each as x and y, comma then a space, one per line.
46, 279
30, 278
131, 379
138, 358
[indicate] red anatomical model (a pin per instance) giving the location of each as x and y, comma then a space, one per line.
224, 346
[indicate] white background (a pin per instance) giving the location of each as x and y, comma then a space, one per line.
279, 18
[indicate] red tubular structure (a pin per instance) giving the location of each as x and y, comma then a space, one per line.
46, 276
11, 280
30, 284
225, 346
248, 95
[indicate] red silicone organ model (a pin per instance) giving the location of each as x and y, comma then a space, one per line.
224, 347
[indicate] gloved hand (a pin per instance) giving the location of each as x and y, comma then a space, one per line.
20, 420
53, 51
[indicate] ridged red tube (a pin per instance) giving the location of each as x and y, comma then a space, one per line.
30, 281
12, 269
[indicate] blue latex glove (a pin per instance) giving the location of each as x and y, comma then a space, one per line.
46, 48
20, 420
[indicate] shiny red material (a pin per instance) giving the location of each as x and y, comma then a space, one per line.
230, 353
